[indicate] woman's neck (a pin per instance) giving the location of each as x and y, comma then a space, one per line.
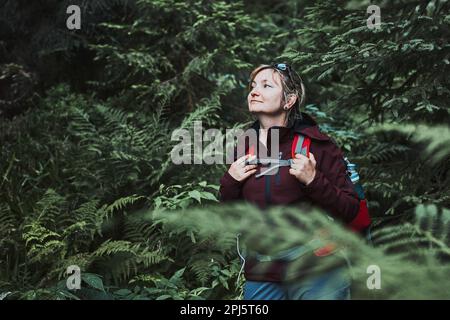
267, 122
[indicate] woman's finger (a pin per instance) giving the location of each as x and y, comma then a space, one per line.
248, 158
249, 173
250, 166
241, 159
295, 169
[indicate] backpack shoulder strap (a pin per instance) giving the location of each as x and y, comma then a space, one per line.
300, 145
251, 150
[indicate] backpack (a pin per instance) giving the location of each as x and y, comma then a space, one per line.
360, 224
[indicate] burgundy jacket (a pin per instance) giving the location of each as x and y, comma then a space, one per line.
330, 189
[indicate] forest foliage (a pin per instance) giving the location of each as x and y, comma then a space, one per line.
87, 116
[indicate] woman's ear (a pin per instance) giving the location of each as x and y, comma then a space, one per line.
290, 101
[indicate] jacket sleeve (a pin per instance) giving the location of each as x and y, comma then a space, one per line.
330, 188
230, 188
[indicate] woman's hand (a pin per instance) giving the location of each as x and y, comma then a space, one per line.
239, 171
303, 168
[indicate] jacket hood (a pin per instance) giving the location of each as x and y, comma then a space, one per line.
305, 125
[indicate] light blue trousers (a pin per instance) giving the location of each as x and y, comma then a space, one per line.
332, 285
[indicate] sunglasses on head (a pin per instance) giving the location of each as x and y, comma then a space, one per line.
281, 66
284, 67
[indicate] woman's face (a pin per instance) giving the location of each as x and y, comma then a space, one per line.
265, 96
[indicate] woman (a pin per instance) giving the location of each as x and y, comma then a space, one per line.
275, 98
